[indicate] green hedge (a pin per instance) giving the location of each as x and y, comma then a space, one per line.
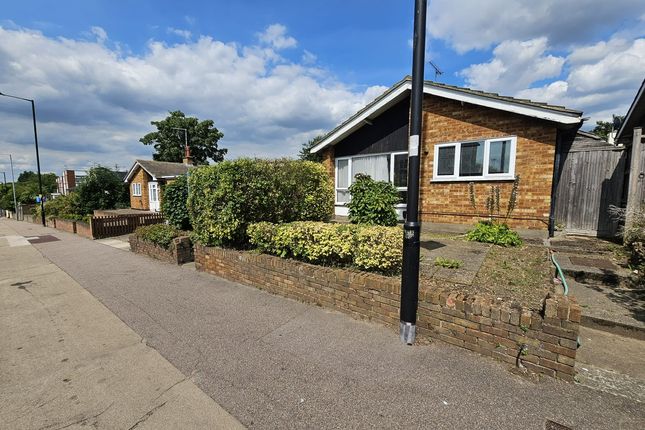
173, 204
225, 198
370, 248
64, 207
159, 234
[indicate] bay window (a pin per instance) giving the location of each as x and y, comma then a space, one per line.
391, 167
486, 159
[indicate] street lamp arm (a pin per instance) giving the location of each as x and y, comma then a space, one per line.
40, 180
16, 97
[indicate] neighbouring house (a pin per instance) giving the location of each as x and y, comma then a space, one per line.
69, 180
630, 134
146, 178
468, 137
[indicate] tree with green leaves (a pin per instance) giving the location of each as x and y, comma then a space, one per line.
169, 139
305, 153
603, 128
101, 189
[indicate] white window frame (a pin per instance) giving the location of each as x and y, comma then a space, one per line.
485, 175
349, 174
136, 189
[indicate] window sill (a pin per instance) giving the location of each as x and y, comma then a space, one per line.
474, 179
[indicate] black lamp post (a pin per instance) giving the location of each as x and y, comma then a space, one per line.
412, 226
40, 180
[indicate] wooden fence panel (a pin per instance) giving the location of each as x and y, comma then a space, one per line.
117, 225
591, 180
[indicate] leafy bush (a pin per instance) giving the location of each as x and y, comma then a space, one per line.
371, 248
634, 240
372, 202
448, 263
225, 198
64, 206
159, 234
494, 232
173, 204
101, 189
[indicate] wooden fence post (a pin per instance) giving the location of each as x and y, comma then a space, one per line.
636, 179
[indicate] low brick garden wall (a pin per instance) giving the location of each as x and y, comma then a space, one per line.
83, 229
179, 252
65, 225
489, 327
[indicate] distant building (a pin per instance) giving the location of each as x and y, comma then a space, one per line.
70, 180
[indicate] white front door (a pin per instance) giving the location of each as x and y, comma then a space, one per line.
153, 196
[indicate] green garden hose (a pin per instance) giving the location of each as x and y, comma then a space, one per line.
564, 281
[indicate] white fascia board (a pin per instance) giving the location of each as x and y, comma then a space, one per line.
628, 117
129, 175
358, 122
504, 105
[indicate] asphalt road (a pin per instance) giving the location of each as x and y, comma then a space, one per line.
276, 363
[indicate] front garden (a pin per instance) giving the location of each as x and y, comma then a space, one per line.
267, 224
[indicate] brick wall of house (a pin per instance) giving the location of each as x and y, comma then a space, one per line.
328, 162
490, 327
446, 121
179, 252
140, 202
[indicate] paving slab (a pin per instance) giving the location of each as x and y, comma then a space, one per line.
277, 363
68, 362
611, 363
470, 254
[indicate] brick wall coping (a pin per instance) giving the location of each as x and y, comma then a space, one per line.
180, 250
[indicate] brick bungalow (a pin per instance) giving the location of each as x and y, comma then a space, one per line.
468, 137
146, 179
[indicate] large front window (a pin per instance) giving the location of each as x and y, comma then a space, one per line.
391, 167
487, 159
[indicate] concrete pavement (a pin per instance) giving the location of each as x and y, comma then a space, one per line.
68, 362
277, 363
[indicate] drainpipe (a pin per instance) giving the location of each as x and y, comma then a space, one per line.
555, 181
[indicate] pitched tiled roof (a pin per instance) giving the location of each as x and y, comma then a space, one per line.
159, 169
395, 94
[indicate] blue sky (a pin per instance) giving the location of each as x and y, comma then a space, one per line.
274, 74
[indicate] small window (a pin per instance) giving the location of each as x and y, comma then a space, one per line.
471, 159
136, 189
446, 161
490, 159
342, 181
499, 156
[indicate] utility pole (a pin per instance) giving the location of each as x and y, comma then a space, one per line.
185, 136
412, 226
13, 185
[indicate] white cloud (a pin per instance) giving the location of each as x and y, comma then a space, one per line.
275, 36
476, 24
601, 88
515, 64
184, 34
100, 33
94, 102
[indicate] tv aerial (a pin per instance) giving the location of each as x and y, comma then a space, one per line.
437, 71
